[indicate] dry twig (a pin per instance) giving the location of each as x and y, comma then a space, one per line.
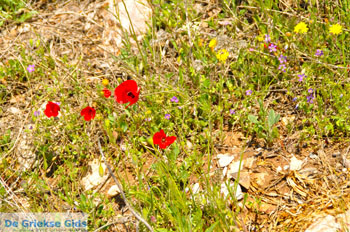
133, 211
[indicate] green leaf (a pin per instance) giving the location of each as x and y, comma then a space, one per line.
100, 170
162, 230
210, 229
253, 119
124, 126
272, 118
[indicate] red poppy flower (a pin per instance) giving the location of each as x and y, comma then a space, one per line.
52, 109
127, 92
107, 93
88, 113
162, 140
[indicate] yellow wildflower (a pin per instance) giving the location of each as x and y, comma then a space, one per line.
200, 42
301, 28
260, 38
105, 82
222, 55
335, 29
212, 44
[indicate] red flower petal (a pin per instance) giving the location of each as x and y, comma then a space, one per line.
88, 113
157, 137
51, 109
170, 140
107, 93
127, 92
162, 140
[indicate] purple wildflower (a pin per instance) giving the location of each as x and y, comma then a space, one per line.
341, 95
30, 68
310, 98
232, 111
251, 49
248, 92
282, 59
282, 67
294, 99
36, 113
147, 119
167, 116
310, 90
174, 99
301, 77
179, 107
272, 47
30, 127
319, 52
267, 38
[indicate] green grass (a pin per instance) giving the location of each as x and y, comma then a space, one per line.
207, 89
14, 11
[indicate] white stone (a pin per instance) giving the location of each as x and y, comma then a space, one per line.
225, 192
113, 191
94, 178
295, 164
224, 160
224, 172
234, 167
325, 224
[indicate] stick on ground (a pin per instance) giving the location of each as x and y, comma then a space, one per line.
133, 211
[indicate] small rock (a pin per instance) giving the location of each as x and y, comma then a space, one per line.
92, 180
225, 192
295, 164
113, 191
313, 156
234, 167
325, 224
224, 172
248, 163
279, 169
261, 179
189, 144
224, 160
244, 178
344, 219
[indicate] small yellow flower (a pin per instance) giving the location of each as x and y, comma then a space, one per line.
200, 42
335, 29
212, 44
301, 28
105, 82
288, 34
260, 38
222, 55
